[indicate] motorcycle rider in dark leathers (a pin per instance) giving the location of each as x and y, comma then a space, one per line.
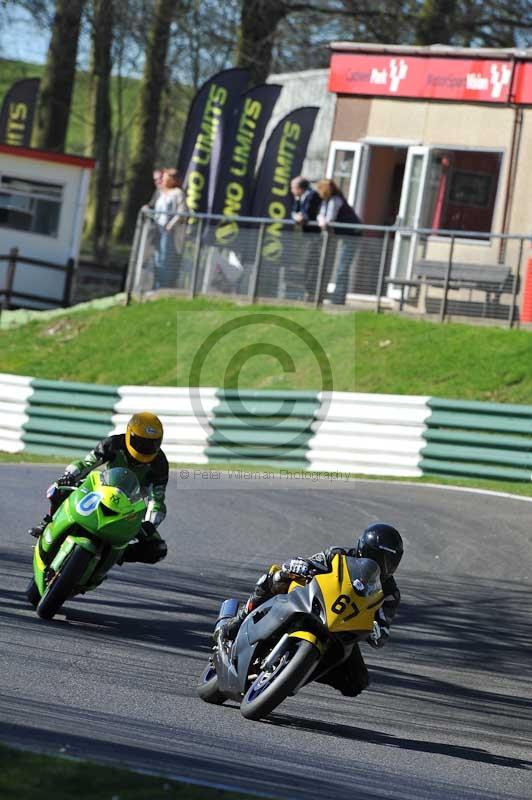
380, 542
138, 449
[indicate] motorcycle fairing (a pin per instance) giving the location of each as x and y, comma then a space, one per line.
92, 508
342, 601
351, 594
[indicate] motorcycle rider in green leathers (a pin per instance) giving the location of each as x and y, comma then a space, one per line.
138, 449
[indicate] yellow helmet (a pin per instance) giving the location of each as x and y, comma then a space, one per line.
144, 434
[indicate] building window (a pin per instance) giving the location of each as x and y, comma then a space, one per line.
32, 206
462, 189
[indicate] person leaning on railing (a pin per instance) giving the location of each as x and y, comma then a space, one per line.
335, 208
305, 208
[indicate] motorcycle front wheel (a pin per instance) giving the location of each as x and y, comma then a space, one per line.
273, 685
32, 593
64, 584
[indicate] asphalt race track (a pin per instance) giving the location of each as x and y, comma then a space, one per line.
448, 715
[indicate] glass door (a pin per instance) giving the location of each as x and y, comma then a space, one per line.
410, 213
347, 166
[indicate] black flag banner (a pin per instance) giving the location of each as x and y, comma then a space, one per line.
17, 112
282, 160
240, 149
210, 110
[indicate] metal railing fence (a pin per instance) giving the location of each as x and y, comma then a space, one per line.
50, 283
441, 274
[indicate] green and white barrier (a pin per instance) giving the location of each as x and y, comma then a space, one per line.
53, 417
486, 440
367, 434
14, 393
263, 427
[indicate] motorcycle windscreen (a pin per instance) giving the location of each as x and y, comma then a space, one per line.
123, 479
351, 594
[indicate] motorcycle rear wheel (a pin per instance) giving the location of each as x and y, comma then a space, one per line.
64, 584
208, 688
269, 689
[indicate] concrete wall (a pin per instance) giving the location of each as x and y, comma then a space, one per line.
308, 88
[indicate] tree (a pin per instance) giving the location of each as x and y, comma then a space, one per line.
53, 109
138, 186
436, 22
258, 26
100, 128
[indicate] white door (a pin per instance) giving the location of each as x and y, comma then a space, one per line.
347, 166
410, 212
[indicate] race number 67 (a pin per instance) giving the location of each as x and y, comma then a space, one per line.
342, 603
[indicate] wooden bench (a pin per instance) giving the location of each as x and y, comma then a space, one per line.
493, 280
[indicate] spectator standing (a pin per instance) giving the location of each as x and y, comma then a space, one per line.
157, 181
335, 208
306, 205
305, 209
169, 205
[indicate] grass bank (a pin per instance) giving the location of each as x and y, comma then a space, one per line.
157, 343
397, 355
24, 776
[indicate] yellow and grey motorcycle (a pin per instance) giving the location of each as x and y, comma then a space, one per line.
294, 638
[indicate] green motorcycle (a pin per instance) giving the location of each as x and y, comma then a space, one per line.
87, 535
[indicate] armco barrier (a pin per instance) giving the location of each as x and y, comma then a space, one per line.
488, 440
14, 393
367, 434
67, 418
263, 427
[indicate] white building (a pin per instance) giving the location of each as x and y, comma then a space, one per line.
43, 197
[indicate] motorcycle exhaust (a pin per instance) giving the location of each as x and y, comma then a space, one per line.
228, 610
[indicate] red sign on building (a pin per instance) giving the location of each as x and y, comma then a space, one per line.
426, 78
523, 83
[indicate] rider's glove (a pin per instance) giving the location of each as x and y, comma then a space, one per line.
379, 636
296, 566
68, 479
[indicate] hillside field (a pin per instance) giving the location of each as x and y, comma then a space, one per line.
157, 343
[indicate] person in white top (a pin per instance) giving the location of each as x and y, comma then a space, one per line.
169, 205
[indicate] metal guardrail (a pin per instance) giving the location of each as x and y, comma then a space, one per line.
473, 274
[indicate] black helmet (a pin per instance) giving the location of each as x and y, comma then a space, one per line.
383, 544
